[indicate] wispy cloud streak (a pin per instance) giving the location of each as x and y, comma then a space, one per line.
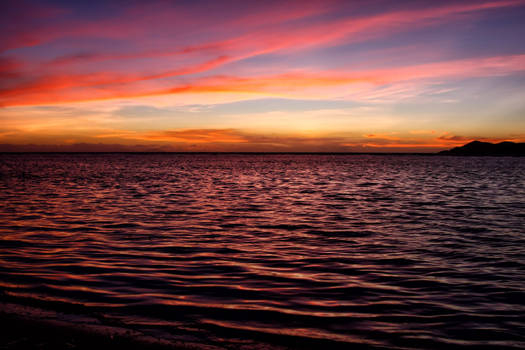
59, 89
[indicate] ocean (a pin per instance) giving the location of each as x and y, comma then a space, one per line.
269, 251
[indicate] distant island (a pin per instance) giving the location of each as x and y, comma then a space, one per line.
478, 148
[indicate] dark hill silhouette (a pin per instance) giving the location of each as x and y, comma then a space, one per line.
478, 148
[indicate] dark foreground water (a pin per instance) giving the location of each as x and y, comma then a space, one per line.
270, 251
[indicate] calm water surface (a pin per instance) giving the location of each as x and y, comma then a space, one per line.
275, 251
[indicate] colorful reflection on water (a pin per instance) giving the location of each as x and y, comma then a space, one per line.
299, 251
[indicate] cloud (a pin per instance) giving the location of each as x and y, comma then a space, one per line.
9, 69
83, 147
236, 140
243, 34
85, 87
262, 30
422, 132
462, 139
449, 137
199, 136
32, 24
22, 22
250, 139
103, 64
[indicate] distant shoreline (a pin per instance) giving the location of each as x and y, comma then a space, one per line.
439, 154
474, 148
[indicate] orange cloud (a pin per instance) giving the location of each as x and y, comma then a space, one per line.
387, 137
452, 139
199, 136
235, 140
58, 89
391, 145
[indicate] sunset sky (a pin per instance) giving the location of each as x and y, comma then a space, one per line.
338, 76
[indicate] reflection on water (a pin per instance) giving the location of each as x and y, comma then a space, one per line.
298, 251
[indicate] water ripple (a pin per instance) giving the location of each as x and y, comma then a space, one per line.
293, 251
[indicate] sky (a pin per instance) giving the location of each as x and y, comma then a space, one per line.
252, 76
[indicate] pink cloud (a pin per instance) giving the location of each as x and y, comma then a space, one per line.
67, 88
264, 31
78, 77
